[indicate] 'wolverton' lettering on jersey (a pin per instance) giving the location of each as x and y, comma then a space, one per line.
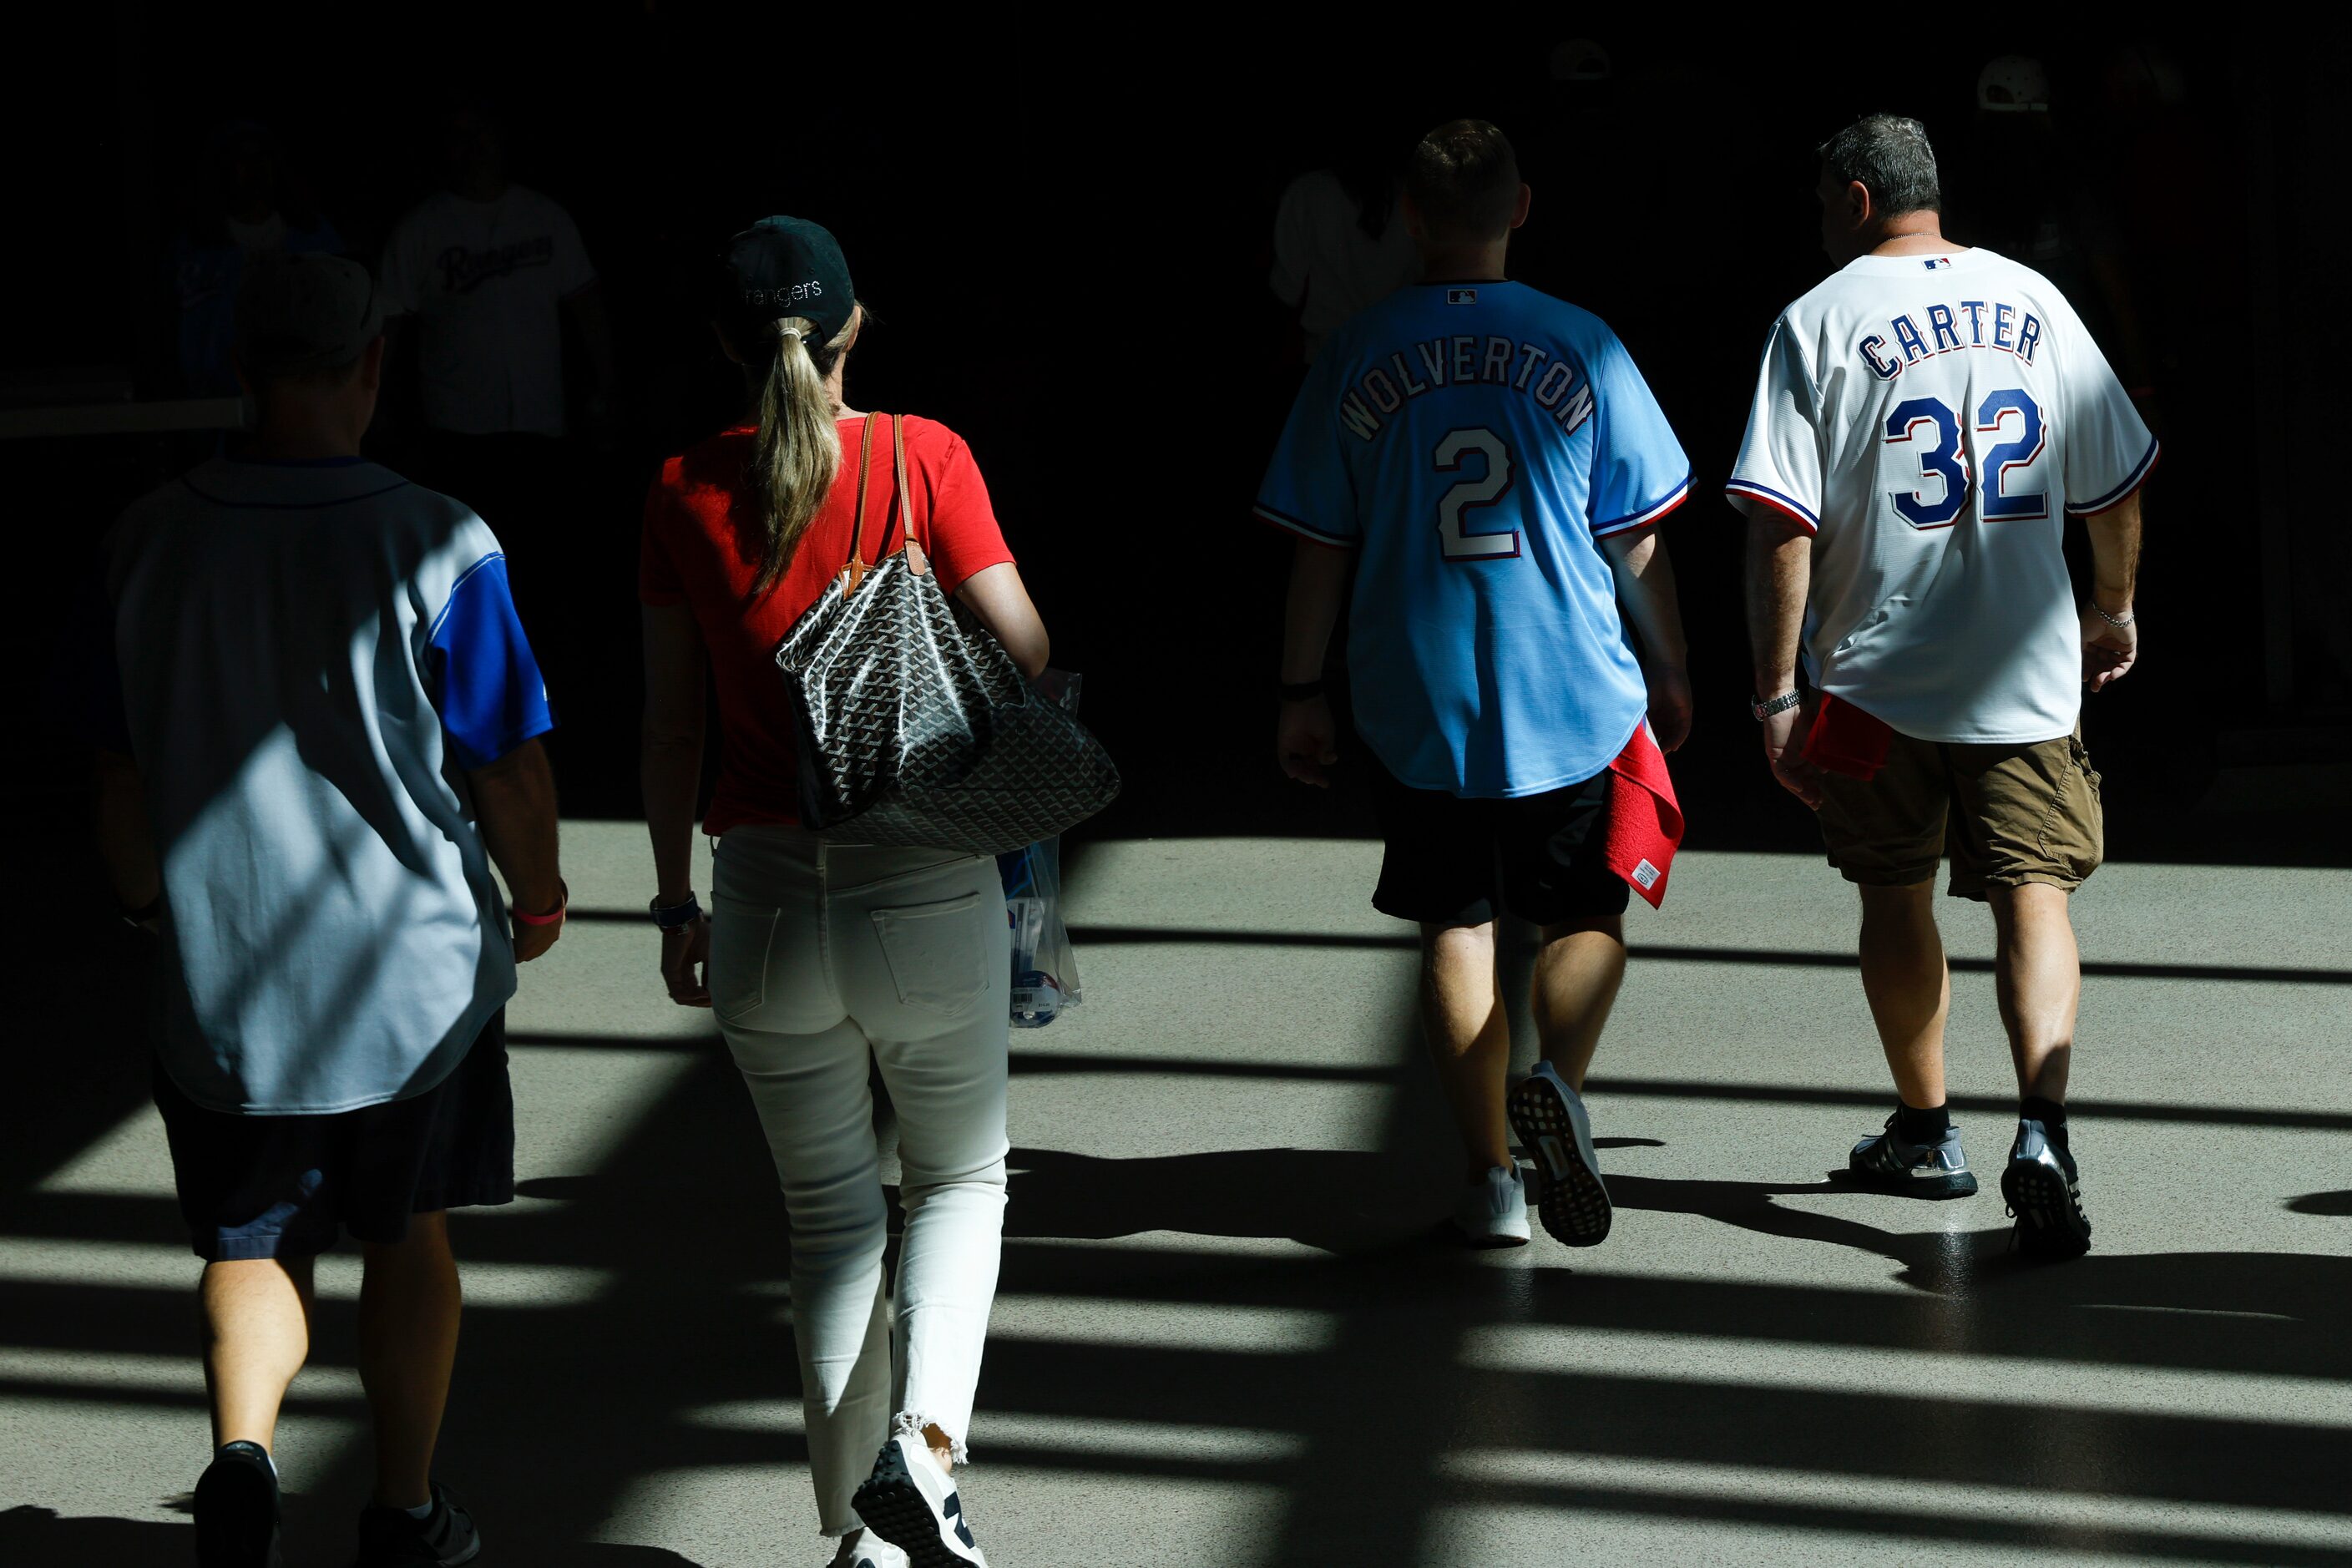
1463, 361
463, 270
1978, 324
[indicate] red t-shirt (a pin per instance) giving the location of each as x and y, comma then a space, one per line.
701, 549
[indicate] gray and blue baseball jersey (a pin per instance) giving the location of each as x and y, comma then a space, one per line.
1474, 441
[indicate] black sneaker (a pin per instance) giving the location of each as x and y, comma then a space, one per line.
1887, 1163
236, 1510
2045, 1196
913, 1504
447, 1536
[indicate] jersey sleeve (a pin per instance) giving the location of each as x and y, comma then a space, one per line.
1779, 464
658, 580
2109, 450
965, 538
1309, 487
486, 681
570, 270
1640, 471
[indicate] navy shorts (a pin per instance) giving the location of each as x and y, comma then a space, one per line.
280, 1186
1451, 861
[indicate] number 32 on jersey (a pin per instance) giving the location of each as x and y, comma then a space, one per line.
1932, 427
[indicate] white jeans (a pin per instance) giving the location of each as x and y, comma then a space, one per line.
823, 957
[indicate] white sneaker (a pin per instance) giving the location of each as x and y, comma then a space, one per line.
1493, 1211
1553, 1128
912, 1503
863, 1549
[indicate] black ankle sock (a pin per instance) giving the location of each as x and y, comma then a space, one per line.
2050, 1113
1928, 1126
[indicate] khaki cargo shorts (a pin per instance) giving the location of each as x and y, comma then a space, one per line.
2005, 814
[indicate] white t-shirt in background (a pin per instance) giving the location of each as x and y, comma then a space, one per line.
1323, 257
1932, 420
483, 282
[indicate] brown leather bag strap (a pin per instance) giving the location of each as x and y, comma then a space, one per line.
906, 494
853, 570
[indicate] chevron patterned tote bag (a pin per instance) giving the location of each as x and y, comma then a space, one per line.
916, 727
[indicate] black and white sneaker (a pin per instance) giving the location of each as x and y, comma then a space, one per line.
238, 1510
1554, 1129
1889, 1162
446, 1537
2045, 1196
913, 1504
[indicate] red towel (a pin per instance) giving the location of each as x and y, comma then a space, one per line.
1846, 740
1646, 821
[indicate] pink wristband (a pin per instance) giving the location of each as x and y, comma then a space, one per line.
556, 919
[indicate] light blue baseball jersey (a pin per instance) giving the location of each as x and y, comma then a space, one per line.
1473, 441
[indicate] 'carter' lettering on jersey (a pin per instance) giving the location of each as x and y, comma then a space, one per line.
1475, 443
1932, 426
2012, 331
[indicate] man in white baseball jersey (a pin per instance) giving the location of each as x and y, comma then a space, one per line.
1926, 420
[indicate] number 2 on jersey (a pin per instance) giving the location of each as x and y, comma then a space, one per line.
1458, 541
1946, 460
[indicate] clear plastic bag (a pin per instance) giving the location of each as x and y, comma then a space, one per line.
1045, 970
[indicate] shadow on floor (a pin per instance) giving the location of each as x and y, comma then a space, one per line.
39, 1538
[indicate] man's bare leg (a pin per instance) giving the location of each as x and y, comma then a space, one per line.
257, 1314
1909, 987
409, 1303
2038, 974
1469, 1035
1577, 976
2040, 977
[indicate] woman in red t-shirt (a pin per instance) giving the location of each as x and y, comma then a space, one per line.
820, 957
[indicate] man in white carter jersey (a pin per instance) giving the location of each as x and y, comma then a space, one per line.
1925, 421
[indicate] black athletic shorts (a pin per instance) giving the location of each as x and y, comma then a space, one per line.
1455, 862
280, 1186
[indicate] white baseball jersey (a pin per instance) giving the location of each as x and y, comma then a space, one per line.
485, 282
1931, 420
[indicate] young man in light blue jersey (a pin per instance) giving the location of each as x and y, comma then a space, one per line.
1489, 463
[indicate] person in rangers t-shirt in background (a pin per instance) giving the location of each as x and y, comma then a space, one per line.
1926, 420
484, 276
1489, 463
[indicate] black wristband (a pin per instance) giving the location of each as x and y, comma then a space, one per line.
1299, 691
677, 916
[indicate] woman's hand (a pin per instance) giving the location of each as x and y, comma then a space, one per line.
685, 963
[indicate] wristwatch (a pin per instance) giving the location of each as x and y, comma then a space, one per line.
1780, 704
676, 916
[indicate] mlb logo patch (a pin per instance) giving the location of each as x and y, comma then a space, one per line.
1933, 262
1462, 296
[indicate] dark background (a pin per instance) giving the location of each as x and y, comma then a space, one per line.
1062, 221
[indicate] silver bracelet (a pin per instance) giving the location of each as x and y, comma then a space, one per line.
2127, 617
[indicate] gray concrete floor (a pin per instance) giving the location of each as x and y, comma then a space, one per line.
1224, 1337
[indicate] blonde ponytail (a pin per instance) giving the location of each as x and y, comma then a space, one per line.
798, 450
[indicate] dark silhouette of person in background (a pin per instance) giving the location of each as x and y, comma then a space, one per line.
248, 211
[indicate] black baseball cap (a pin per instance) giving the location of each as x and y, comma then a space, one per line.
783, 266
